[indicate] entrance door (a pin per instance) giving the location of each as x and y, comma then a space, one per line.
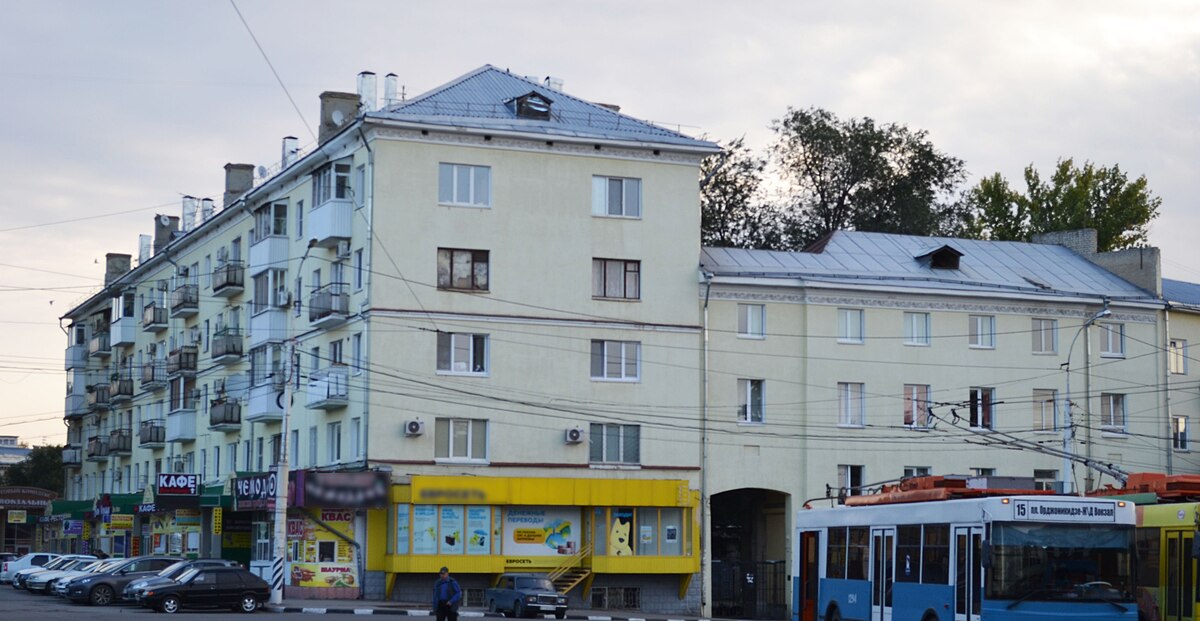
968, 572
1179, 576
810, 562
883, 572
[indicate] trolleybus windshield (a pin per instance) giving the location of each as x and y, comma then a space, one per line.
1061, 562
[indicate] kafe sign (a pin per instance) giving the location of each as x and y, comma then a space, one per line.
179, 484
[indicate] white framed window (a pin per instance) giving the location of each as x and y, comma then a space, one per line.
1179, 433
611, 443
982, 331
916, 406
750, 400
464, 270
983, 472
616, 360
360, 185
461, 439
358, 269
850, 325
231, 450
752, 319
1045, 336
356, 438
850, 480
1045, 480
312, 446
851, 409
464, 185
1045, 409
1112, 412
330, 182
981, 402
616, 279
916, 329
334, 438
356, 353
293, 446
299, 219
462, 354
917, 471
1177, 356
617, 197
1112, 339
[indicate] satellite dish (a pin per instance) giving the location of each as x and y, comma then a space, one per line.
262, 172
337, 116
164, 220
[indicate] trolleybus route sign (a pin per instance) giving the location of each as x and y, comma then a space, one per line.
1058, 511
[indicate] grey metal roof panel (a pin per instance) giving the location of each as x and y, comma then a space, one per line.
1181, 292
885, 258
480, 99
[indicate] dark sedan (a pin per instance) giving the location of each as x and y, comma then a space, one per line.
209, 587
104, 587
134, 590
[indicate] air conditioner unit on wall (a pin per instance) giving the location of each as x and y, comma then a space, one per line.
575, 435
414, 428
283, 299
343, 249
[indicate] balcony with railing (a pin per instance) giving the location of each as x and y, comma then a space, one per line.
181, 416
227, 346
120, 441
182, 361
97, 448
185, 300
75, 435
329, 389
229, 279
154, 318
72, 457
329, 305
99, 398
76, 357
152, 434
154, 375
225, 415
122, 390
99, 345
76, 405
331, 221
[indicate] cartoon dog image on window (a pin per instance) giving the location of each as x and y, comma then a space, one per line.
618, 538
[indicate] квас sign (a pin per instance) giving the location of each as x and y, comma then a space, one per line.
179, 484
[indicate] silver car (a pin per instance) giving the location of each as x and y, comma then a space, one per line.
41, 583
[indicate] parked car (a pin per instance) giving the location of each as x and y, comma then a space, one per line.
523, 595
41, 582
101, 588
19, 578
135, 590
11, 566
209, 587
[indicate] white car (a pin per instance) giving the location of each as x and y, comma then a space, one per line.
33, 559
40, 583
19, 578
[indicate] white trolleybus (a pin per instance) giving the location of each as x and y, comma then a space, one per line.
989, 558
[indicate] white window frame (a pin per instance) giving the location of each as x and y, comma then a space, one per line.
333, 444
917, 471
1045, 335
1177, 356
916, 329
448, 429
985, 417
1113, 405
449, 344
356, 438
1180, 440
604, 352
851, 326
1112, 339
601, 195
916, 406
981, 331
750, 411
1045, 404
629, 438
848, 476
852, 408
476, 196
752, 321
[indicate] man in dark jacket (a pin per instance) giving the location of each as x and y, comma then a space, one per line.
446, 597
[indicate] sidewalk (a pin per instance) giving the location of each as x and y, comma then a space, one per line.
376, 607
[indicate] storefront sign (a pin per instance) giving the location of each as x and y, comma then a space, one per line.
146, 507
33, 498
16, 516
87, 530
541, 531
178, 484
254, 493
187, 517
1058, 511
218, 516
340, 489
102, 508
135, 546
121, 521
72, 528
324, 575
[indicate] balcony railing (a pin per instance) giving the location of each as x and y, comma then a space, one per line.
97, 448
154, 375
71, 457
99, 346
227, 345
76, 405
229, 279
75, 435
99, 397
329, 389
329, 305
120, 441
225, 415
154, 318
122, 390
185, 300
152, 434
182, 361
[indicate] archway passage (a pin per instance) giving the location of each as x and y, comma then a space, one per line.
749, 554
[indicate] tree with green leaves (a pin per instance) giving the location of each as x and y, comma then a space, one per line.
1074, 197
42, 468
732, 213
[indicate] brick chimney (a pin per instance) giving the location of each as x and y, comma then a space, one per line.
1139, 266
165, 228
337, 110
239, 178
115, 266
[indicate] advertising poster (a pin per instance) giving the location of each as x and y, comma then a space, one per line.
478, 526
121, 521
451, 540
425, 532
325, 559
324, 575
187, 517
620, 535
497, 531
72, 527
402, 528
541, 531
16, 516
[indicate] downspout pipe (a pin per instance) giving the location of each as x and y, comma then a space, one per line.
705, 589
1170, 437
368, 206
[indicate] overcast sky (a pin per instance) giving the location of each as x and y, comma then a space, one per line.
111, 111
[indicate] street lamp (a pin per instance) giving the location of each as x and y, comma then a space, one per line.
281, 468
1069, 427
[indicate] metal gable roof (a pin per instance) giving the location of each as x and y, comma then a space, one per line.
481, 99
1181, 292
885, 259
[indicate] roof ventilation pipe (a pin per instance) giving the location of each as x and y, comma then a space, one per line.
189, 213
389, 90
554, 84
289, 150
206, 209
366, 91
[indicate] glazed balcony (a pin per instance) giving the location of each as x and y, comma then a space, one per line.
329, 389
181, 417
152, 434
270, 251
71, 457
120, 441
225, 415
99, 398
97, 448
122, 391
154, 375
123, 332
331, 221
329, 306
76, 357
185, 300
182, 361
154, 318
76, 406
99, 346
75, 436
229, 279
267, 326
227, 346
264, 405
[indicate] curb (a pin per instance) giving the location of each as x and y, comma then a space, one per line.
403, 612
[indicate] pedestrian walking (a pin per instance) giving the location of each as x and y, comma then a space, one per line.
446, 596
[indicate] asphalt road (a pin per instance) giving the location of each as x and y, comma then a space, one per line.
23, 606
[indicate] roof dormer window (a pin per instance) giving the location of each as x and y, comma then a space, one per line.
941, 258
533, 106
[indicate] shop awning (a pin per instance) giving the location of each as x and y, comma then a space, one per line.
70, 509
213, 496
